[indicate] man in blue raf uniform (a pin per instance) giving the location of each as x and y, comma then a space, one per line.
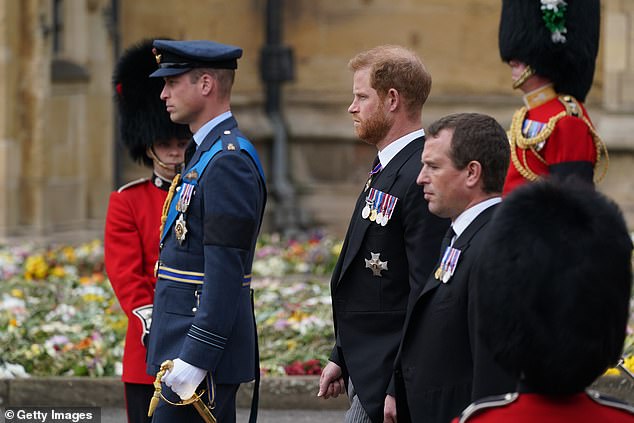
203, 316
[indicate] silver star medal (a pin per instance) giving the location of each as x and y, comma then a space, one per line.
180, 229
376, 264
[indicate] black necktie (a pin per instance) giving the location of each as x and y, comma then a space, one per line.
189, 152
376, 168
437, 272
446, 240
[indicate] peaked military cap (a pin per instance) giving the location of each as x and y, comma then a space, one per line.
177, 57
143, 119
558, 39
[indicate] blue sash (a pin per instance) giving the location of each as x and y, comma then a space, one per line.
199, 168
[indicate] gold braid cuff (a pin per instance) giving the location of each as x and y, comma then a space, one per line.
518, 140
168, 201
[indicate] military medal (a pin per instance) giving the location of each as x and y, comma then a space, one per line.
365, 213
180, 229
375, 264
391, 203
379, 204
369, 204
448, 264
185, 198
384, 218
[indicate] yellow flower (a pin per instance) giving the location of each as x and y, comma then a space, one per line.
92, 298
69, 254
270, 321
17, 293
291, 344
297, 316
58, 271
336, 249
36, 267
13, 323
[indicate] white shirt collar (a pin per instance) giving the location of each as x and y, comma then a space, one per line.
466, 217
204, 130
395, 147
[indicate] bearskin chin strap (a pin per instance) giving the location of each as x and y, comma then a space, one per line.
528, 72
172, 168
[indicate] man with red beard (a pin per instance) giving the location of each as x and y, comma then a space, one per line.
392, 241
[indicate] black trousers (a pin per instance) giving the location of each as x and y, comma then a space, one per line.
137, 401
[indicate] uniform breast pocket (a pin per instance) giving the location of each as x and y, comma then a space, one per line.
182, 301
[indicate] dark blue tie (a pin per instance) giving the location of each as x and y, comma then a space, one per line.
189, 152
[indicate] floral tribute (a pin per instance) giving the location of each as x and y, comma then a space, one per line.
59, 315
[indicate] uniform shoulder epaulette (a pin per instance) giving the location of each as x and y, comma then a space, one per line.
571, 105
609, 401
229, 141
486, 403
131, 184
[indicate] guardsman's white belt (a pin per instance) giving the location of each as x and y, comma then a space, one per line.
188, 276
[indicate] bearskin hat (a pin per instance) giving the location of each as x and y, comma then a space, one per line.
558, 39
142, 116
554, 285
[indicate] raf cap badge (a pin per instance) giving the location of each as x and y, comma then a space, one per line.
375, 264
157, 56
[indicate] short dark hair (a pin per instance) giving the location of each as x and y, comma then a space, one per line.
477, 137
554, 285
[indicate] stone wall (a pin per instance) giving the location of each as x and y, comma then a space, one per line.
57, 162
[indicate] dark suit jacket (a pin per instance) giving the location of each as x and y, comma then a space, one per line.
441, 365
210, 324
369, 310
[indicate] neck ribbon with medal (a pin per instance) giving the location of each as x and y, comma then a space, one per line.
379, 205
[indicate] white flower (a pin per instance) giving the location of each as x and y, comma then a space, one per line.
552, 4
12, 371
558, 37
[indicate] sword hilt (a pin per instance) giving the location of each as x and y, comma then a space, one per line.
195, 400
165, 366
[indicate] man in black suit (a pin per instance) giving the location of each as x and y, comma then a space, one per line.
392, 239
441, 365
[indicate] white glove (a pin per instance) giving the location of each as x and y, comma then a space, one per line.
184, 378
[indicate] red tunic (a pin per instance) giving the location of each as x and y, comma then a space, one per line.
570, 141
131, 248
532, 408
